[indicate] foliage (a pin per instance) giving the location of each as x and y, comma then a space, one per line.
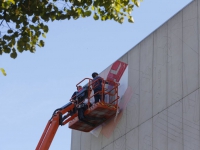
24, 22
3, 71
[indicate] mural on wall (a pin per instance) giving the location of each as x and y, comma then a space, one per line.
117, 72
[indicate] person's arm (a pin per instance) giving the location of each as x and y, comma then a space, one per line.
73, 98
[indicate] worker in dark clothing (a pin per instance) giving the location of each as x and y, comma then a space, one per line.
74, 100
97, 87
81, 106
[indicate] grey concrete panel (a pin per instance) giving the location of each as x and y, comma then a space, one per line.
145, 136
190, 49
146, 79
132, 113
120, 129
107, 141
175, 53
160, 69
96, 142
85, 140
124, 58
160, 131
175, 126
109, 147
164, 73
120, 144
132, 139
191, 125
133, 82
199, 35
75, 140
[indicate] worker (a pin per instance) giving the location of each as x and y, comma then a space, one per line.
97, 87
74, 100
82, 105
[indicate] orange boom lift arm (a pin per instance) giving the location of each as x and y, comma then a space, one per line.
52, 125
59, 118
66, 114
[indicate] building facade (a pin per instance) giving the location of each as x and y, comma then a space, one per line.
164, 75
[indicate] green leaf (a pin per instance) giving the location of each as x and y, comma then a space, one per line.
136, 2
41, 43
19, 47
32, 49
131, 20
45, 28
29, 18
13, 55
12, 1
96, 17
93, 8
121, 20
10, 31
44, 35
87, 13
3, 71
6, 49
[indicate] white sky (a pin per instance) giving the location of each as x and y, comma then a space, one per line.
37, 84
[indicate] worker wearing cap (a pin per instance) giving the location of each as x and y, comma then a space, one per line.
79, 88
74, 100
97, 87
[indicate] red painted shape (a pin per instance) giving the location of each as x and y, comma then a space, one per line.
116, 71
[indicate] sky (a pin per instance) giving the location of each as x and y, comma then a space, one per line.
37, 84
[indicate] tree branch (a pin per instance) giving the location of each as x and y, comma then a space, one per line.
1, 22
8, 25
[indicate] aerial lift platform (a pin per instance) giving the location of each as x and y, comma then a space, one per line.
95, 114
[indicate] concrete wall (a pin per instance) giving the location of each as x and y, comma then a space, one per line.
164, 72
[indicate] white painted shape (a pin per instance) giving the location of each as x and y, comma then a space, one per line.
123, 83
96, 131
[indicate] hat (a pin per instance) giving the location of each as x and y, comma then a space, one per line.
94, 74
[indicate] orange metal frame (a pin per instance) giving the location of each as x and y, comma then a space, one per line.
104, 91
57, 119
51, 128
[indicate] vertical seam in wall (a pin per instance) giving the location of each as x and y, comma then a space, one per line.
126, 107
167, 80
139, 101
80, 140
101, 141
152, 84
182, 84
139, 92
198, 54
90, 140
71, 140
